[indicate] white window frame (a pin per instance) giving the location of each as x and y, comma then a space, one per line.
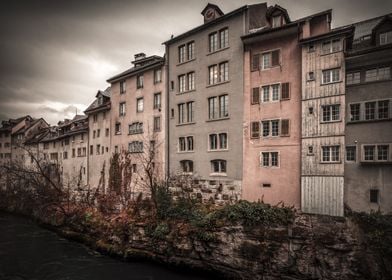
218, 141
331, 111
330, 147
261, 159
331, 76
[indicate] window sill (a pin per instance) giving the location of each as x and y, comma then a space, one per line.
324, 54
330, 162
117, 133
368, 82
327, 122
187, 173
184, 92
183, 124
270, 167
217, 150
218, 119
218, 84
185, 62
138, 112
331, 83
216, 51
369, 121
185, 152
269, 68
371, 162
216, 174
136, 133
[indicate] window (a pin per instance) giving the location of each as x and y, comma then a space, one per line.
182, 83
157, 100
351, 153
311, 76
91, 149
276, 21
213, 41
98, 149
255, 62
185, 144
285, 128
310, 109
218, 107
223, 76
181, 53
135, 128
266, 95
270, 59
383, 109
135, 147
191, 50
353, 78
122, 86
378, 74
186, 82
65, 155
79, 152
311, 48
107, 132
186, 166
355, 112
310, 150
218, 166
331, 46
255, 129
331, 76
95, 118
122, 109
139, 105
224, 38
66, 141
46, 146
139, 81
191, 80
185, 112
269, 159
386, 38
98, 133
255, 99
157, 123
218, 141
276, 127
100, 100
117, 128
266, 128
276, 92
370, 110
330, 154
382, 152
369, 152
331, 113
157, 76
374, 194
94, 134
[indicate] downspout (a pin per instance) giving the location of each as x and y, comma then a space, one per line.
167, 112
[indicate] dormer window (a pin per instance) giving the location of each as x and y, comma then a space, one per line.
100, 100
276, 21
386, 38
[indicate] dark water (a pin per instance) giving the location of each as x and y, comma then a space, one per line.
28, 251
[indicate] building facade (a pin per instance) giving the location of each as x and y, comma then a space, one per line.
205, 96
368, 164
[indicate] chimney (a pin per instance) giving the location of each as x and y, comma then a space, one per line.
139, 56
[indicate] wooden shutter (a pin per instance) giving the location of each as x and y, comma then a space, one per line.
285, 91
255, 62
255, 129
255, 96
275, 58
285, 128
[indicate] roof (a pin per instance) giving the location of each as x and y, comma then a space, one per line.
271, 9
267, 29
215, 7
207, 24
365, 28
94, 106
155, 61
334, 32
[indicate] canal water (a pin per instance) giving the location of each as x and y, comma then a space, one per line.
28, 251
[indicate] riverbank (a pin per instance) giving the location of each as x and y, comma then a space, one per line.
240, 241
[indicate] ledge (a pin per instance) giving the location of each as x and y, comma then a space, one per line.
220, 50
218, 84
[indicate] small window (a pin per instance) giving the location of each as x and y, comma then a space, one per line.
157, 124
269, 159
331, 113
311, 76
117, 128
157, 76
310, 109
311, 48
218, 166
266, 185
181, 53
186, 166
355, 112
122, 109
255, 99
276, 21
310, 150
331, 76
139, 105
255, 129
351, 153
122, 86
386, 38
139, 81
374, 196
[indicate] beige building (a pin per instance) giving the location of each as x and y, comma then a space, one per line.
138, 116
99, 139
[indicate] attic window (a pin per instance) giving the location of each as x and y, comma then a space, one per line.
386, 38
276, 21
100, 100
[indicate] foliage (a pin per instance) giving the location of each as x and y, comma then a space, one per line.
115, 176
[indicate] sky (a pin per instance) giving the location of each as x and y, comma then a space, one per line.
55, 55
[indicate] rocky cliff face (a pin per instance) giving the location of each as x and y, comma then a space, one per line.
313, 247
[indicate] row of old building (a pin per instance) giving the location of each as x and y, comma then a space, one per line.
252, 105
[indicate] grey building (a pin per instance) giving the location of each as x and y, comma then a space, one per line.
368, 162
205, 96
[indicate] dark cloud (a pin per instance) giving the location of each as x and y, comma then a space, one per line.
54, 55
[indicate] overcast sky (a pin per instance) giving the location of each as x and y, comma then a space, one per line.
55, 55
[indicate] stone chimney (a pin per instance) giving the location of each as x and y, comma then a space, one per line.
139, 56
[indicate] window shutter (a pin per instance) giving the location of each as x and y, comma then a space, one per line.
286, 91
285, 128
275, 58
255, 96
255, 62
255, 129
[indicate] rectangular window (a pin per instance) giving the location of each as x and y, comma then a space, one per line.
275, 92
213, 42
157, 76
378, 74
157, 100
157, 123
213, 74
370, 110
276, 21
191, 80
224, 38
122, 86
190, 111
117, 128
255, 99
182, 144
351, 153
265, 159
223, 141
266, 128
189, 141
223, 106
266, 93
186, 166
266, 61
139, 81
213, 141
275, 128
181, 113
135, 128
285, 128
122, 109
355, 112
382, 152
374, 194
353, 78
191, 50
223, 72
386, 38
369, 152
181, 53
218, 166
274, 159
95, 118
330, 154
331, 113
135, 147
255, 129
285, 91
331, 76
383, 109
331, 46
182, 83
268, 159
255, 62
139, 105
218, 107
185, 144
